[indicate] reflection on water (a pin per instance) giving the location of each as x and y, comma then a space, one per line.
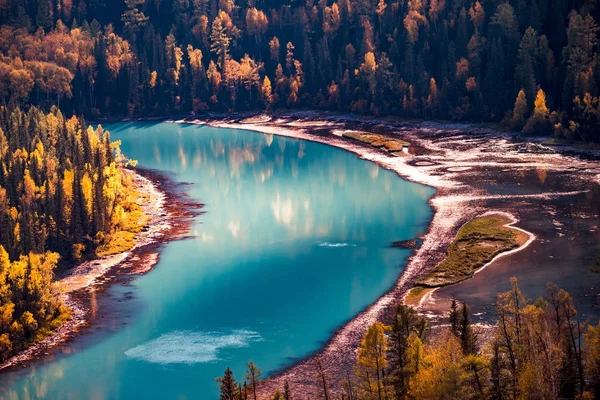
294, 243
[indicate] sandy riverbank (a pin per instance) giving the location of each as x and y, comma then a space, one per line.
169, 215
457, 160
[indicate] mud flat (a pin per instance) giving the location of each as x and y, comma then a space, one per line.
552, 195
169, 212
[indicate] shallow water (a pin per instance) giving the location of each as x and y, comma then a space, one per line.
294, 243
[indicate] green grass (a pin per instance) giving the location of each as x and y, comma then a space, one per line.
476, 244
392, 145
414, 296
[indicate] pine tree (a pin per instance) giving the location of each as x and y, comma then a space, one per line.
407, 326
519, 111
220, 43
253, 376
44, 17
289, 56
287, 393
527, 60
496, 391
227, 385
468, 338
454, 317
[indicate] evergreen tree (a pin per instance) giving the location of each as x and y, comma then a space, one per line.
468, 338
253, 376
519, 112
287, 393
407, 326
227, 385
454, 317
220, 43
44, 17
527, 60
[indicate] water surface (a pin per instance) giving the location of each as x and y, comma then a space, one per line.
294, 243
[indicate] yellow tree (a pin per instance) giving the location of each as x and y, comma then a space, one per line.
539, 123
368, 68
371, 365
274, 49
332, 19
518, 117
433, 98
441, 374
540, 109
592, 358
477, 15
6, 305
266, 92
256, 23
118, 52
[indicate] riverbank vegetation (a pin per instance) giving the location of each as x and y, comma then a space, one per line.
540, 349
64, 195
390, 144
531, 64
414, 296
476, 244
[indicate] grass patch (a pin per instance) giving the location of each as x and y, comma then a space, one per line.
256, 119
414, 296
392, 145
476, 244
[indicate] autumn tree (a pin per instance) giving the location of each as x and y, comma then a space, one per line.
274, 49
266, 92
539, 123
592, 359
253, 376
372, 363
519, 112
441, 374
256, 23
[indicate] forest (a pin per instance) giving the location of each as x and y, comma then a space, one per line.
64, 195
538, 350
530, 64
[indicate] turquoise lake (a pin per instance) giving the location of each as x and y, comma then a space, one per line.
295, 241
